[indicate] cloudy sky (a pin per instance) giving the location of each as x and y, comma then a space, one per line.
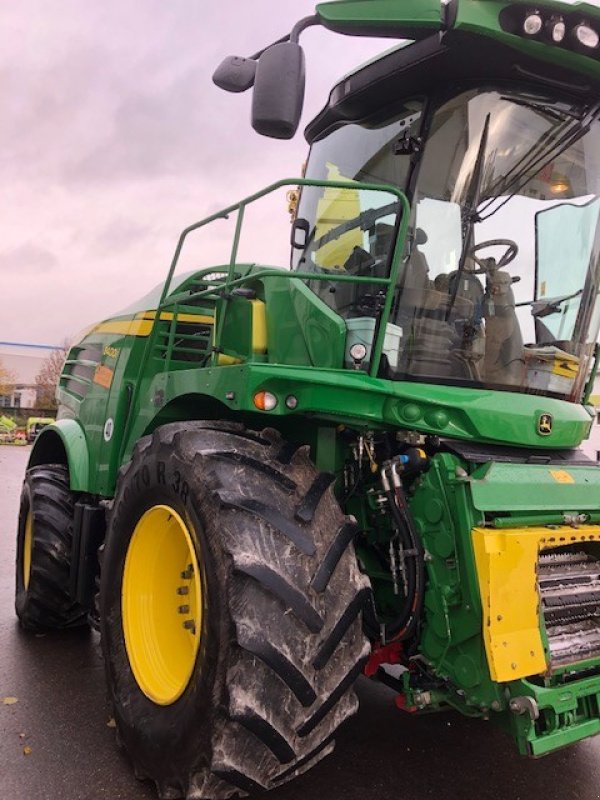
113, 138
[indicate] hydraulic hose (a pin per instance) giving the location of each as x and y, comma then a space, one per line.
404, 626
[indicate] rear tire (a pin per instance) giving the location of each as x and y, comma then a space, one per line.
44, 544
280, 643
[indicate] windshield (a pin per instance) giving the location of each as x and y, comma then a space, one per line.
499, 285
352, 232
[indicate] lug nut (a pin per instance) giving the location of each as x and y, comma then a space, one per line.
183, 609
190, 625
188, 573
183, 590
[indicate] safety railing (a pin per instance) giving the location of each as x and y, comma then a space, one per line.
223, 285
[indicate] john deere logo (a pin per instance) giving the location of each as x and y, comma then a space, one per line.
545, 424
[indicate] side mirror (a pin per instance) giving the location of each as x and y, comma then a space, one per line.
279, 91
235, 74
299, 236
421, 237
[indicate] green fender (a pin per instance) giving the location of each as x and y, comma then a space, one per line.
64, 442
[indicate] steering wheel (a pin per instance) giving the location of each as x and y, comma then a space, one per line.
490, 264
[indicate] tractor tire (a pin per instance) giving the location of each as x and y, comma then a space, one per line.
242, 528
44, 543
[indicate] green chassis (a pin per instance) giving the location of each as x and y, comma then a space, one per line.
129, 376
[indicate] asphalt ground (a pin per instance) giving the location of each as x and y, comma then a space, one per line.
55, 743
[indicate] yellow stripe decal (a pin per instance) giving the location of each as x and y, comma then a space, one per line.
125, 327
141, 324
168, 315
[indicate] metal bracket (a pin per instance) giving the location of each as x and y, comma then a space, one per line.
524, 705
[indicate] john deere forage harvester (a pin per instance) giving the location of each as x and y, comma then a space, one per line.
265, 482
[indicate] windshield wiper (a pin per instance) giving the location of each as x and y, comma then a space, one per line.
523, 164
573, 131
561, 115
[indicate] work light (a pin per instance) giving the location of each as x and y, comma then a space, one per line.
557, 30
532, 24
586, 36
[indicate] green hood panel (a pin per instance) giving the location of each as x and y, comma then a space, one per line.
532, 487
354, 398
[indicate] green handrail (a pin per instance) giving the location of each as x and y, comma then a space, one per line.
230, 282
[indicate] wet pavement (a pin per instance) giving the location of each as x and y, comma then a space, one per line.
55, 743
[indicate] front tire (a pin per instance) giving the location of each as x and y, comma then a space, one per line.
273, 597
44, 542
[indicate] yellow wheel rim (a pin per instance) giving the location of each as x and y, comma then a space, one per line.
162, 604
27, 549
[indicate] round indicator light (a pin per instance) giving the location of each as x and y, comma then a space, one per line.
291, 401
265, 401
358, 352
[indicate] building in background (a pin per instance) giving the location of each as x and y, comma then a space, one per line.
23, 361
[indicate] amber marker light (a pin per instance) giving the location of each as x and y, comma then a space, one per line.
265, 401
560, 184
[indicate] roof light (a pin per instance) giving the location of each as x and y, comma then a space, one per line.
586, 36
533, 24
265, 401
557, 30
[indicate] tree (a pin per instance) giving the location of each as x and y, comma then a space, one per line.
7, 380
46, 380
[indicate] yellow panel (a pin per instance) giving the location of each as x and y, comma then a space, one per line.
566, 365
259, 327
335, 207
506, 568
224, 360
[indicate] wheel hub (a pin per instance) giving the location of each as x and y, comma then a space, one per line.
27, 548
162, 604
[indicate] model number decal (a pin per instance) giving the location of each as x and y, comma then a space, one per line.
111, 352
175, 481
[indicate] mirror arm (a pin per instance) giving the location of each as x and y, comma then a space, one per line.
303, 24
259, 53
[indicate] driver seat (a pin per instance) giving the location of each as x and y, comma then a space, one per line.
504, 362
